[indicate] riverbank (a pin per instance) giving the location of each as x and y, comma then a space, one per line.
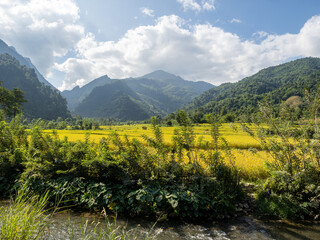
247, 227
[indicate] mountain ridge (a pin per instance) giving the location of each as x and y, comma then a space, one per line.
4, 48
156, 93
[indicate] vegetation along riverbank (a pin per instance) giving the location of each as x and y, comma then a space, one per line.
188, 177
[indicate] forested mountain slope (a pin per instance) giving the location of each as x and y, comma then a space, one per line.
278, 83
42, 100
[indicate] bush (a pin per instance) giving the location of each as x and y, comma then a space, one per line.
291, 196
123, 175
293, 189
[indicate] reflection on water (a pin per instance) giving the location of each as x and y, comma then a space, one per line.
246, 227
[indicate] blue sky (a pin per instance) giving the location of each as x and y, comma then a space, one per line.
115, 17
72, 42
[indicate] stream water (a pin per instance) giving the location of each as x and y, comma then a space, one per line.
245, 227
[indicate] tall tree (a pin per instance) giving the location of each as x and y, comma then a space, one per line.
11, 102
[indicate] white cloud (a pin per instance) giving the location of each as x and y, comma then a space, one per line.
45, 29
147, 11
197, 5
235, 20
40, 29
200, 52
208, 5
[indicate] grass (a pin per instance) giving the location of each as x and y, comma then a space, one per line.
25, 218
108, 230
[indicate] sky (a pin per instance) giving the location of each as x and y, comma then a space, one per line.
72, 42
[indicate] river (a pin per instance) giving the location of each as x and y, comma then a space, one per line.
244, 227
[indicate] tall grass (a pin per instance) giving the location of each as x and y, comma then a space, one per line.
25, 218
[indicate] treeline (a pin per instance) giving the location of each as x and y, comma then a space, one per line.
75, 123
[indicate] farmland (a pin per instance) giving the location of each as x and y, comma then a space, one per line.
248, 158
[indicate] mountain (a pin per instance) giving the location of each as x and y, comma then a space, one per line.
42, 100
157, 93
77, 94
4, 48
278, 83
113, 100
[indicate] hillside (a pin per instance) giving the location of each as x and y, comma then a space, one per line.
4, 48
278, 83
114, 100
42, 100
157, 93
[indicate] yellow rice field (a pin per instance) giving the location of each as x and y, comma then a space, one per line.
249, 160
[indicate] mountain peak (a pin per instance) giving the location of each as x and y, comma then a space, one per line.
161, 75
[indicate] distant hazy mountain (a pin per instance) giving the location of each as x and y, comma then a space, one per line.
42, 100
4, 48
279, 83
157, 93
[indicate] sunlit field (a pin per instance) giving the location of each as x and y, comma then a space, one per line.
245, 149
236, 139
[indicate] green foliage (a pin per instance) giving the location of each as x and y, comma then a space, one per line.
292, 196
121, 175
11, 101
25, 218
28, 217
293, 189
13, 139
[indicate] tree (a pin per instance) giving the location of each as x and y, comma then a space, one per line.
17, 101
182, 118
11, 101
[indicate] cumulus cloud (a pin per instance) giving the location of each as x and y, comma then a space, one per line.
147, 11
46, 29
200, 52
40, 29
197, 5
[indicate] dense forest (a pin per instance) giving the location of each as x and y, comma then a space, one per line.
41, 100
